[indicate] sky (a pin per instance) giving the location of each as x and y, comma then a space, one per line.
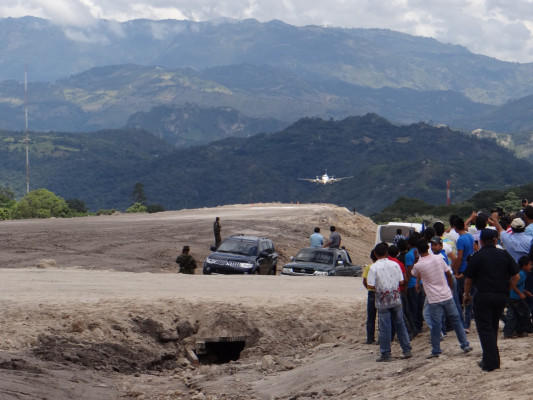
496, 28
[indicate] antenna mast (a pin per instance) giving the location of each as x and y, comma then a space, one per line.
27, 139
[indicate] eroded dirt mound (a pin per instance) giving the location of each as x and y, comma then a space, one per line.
142, 344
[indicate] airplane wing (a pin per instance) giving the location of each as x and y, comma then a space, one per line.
309, 180
331, 180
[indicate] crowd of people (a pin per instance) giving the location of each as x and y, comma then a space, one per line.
477, 269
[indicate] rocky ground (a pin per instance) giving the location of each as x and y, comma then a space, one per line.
92, 309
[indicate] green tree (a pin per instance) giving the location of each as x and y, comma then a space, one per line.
77, 205
137, 208
511, 202
138, 196
40, 203
7, 202
7, 197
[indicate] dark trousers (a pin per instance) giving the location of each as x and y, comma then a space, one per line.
416, 305
518, 318
407, 316
371, 316
488, 308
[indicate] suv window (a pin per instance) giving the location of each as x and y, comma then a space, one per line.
263, 246
238, 247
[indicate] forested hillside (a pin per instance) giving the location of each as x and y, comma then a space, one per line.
386, 161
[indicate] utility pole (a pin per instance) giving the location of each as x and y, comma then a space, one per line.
27, 139
448, 199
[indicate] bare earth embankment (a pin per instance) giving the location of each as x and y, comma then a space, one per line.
112, 319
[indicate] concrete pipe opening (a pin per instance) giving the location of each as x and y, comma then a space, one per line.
219, 350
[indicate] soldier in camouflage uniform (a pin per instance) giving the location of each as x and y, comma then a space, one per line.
216, 230
186, 262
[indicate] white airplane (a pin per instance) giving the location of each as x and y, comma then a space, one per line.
325, 179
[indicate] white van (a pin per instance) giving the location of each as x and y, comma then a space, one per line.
386, 233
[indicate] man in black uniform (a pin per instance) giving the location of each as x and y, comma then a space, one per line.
216, 229
186, 262
491, 270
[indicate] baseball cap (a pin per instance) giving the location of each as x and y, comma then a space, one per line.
518, 223
488, 234
436, 239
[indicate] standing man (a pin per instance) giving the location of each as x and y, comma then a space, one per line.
528, 217
516, 243
465, 248
216, 230
317, 240
370, 304
415, 298
385, 277
438, 284
186, 262
493, 271
334, 241
399, 235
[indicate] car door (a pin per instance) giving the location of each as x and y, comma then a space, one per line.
344, 269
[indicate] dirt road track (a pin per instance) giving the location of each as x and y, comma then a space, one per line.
151, 242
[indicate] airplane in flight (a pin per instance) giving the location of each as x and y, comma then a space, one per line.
325, 179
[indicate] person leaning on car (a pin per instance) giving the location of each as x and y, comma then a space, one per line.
334, 241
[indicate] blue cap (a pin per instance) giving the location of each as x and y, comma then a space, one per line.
488, 234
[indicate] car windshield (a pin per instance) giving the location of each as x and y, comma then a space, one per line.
238, 247
314, 256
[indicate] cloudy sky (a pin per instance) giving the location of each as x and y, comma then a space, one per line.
496, 28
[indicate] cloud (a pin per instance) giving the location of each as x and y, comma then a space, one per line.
497, 28
62, 12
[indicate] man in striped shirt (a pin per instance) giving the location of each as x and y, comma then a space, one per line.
438, 285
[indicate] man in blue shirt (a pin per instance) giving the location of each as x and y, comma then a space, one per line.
415, 299
317, 240
517, 243
465, 248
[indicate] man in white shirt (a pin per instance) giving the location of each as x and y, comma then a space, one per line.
385, 277
438, 285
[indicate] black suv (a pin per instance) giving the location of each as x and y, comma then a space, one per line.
240, 254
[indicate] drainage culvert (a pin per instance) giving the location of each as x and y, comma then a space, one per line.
219, 350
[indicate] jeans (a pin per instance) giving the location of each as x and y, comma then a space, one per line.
457, 301
469, 309
388, 316
467, 318
427, 318
370, 316
436, 310
517, 318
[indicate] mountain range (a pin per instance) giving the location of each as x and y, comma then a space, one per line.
208, 113
373, 58
93, 78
